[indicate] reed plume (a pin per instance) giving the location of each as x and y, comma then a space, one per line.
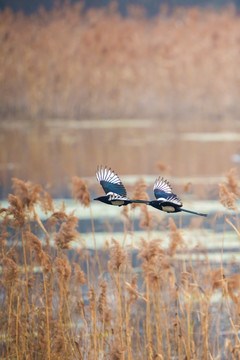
102, 304
79, 275
10, 271
26, 192
16, 211
67, 232
229, 192
232, 182
227, 198
63, 269
150, 252
116, 353
139, 193
163, 168
41, 256
117, 256
216, 278
80, 191
46, 202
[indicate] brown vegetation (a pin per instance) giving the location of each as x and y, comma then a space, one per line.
59, 303
71, 64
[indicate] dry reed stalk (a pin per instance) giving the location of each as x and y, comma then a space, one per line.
151, 254
126, 221
65, 321
10, 280
93, 312
145, 218
117, 267
233, 226
43, 259
102, 300
104, 312
80, 193
205, 325
176, 238
133, 294
130, 298
158, 329
154, 263
95, 242
26, 302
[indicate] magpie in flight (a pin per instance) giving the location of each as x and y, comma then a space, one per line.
115, 191
166, 200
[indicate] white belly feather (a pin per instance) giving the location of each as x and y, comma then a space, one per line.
117, 202
168, 208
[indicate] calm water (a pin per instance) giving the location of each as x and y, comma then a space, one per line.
50, 152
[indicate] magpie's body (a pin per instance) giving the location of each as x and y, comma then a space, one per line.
166, 200
114, 189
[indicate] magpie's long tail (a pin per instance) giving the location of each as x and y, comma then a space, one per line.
193, 212
140, 202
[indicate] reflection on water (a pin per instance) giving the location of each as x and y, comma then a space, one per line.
51, 152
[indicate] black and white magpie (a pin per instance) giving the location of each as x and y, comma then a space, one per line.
166, 200
114, 189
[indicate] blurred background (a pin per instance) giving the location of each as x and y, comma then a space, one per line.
146, 87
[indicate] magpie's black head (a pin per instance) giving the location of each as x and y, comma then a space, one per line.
103, 199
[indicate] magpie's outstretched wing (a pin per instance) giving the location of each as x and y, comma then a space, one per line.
172, 199
110, 181
163, 191
161, 187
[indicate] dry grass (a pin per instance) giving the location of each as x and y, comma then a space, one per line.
59, 303
67, 63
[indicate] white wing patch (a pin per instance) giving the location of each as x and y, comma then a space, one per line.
113, 196
173, 199
103, 173
162, 185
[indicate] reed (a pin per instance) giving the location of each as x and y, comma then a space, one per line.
145, 303
45, 72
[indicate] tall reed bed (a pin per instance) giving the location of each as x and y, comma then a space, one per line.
67, 63
121, 302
